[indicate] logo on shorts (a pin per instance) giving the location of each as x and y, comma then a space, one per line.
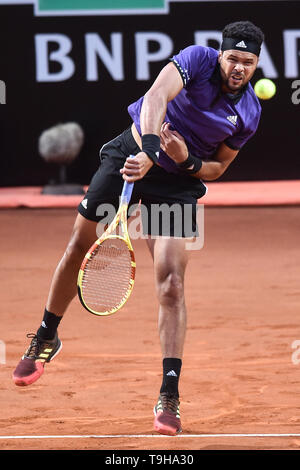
84, 203
232, 119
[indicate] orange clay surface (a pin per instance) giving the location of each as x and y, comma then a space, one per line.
240, 375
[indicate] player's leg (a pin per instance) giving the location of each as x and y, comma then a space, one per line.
63, 287
45, 344
170, 260
169, 217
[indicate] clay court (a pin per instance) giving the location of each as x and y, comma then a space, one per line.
240, 380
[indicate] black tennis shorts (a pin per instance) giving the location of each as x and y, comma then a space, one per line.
167, 202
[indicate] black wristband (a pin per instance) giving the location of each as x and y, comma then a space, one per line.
191, 160
151, 146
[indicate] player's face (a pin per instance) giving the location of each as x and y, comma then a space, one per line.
236, 68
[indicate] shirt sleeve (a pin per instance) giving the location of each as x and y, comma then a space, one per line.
191, 62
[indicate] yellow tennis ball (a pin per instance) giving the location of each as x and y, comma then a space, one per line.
265, 89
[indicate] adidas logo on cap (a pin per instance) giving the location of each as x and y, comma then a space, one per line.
241, 44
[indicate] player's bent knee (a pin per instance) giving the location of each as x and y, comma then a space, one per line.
77, 247
83, 236
171, 289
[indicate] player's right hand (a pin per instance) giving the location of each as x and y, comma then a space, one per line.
136, 167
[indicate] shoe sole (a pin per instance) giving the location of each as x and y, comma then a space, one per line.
163, 428
23, 381
30, 379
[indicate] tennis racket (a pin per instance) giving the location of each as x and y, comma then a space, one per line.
106, 276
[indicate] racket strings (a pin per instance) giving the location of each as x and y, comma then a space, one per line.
107, 275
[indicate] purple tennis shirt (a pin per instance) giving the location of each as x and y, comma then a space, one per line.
201, 113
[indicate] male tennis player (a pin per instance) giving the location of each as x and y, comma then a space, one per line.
188, 127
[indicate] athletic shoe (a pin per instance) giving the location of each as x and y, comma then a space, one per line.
31, 366
167, 415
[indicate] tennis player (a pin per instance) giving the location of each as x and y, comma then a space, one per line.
187, 128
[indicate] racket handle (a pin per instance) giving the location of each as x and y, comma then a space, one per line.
127, 190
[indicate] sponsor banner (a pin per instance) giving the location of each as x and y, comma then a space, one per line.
59, 64
102, 7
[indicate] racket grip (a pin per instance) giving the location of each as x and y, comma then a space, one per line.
127, 190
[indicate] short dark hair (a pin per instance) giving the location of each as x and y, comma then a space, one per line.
243, 30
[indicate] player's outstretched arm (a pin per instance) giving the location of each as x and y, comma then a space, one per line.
166, 86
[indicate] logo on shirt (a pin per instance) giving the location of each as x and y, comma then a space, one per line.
241, 44
232, 119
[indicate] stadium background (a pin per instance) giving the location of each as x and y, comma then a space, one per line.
100, 106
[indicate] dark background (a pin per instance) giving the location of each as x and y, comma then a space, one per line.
101, 107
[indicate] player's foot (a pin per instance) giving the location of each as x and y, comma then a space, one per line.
167, 415
31, 366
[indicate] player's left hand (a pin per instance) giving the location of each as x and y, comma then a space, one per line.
173, 144
136, 167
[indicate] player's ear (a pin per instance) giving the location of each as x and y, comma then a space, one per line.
220, 56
